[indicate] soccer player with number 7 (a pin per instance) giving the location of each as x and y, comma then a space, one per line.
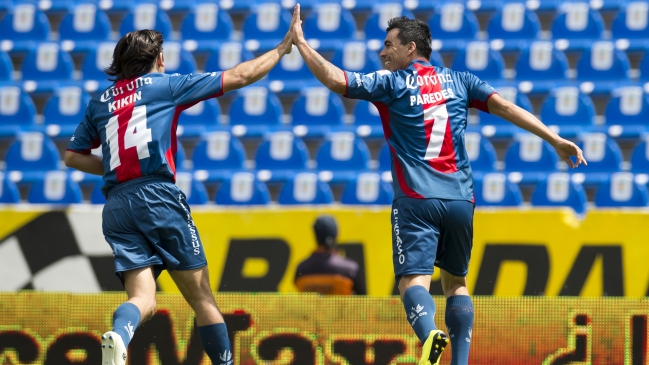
146, 219
424, 110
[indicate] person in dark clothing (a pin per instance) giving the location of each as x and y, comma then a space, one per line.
325, 271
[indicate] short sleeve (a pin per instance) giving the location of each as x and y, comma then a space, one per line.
192, 88
374, 87
85, 137
478, 92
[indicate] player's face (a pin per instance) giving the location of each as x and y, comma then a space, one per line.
395, 56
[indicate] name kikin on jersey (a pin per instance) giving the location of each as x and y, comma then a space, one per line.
114, 91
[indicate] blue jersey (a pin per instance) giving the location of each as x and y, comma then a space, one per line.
135, 123
424, 110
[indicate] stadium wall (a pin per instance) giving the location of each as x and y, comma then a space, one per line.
516, 252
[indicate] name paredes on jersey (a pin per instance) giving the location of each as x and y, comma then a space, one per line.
430, 98
113, 91
413, 82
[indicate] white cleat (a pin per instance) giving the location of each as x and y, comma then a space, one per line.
113, 351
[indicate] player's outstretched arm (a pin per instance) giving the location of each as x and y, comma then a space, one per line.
524, 119
251, 71
87, 163
329, 75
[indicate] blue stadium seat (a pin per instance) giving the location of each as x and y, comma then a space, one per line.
200, 118
377, 22
481, 153
385, 165
305, 188
477, 58
330, 24
559, 190
497, 127
280, 156
226, 56
180, 162
644, 66
97, 196
265, 26
64, 111
355, 57
242, 189
290, 75
207, 25
218, 155
83, 27
6, 5
317, 112
604, 66
55, 187
146, 16
453, 25
23, 27
6, 68
531, 157
640, 157
8, 191
343, 156
47, 68
93, 66
603, 156
628, 108
17, 111
367, 120
255, 111
578, 24
544, 66
194, 190
367, 189
515, 25
177, 59
632, 23
621, 190
569, 110
494, 189
31, 154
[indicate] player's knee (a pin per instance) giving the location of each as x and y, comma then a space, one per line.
149, 310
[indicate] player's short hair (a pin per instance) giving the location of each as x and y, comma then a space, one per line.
413, 30
135, 54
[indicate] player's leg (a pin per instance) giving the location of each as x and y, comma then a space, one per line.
195, 287
459, 316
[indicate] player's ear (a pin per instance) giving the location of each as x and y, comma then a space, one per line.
161, 60
412, 48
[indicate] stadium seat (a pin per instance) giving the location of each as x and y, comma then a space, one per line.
317, 112
542, 67
513, 26
621, 190
23, 27
569, 110
47, 68
194, 190
481, 153
94, 63
477, 58
200, 118
54, 187
17, 111
280, 156
530, 158
377, 22
291, 75
640, 157
64, 111
82, 28
254, 112
558, 190
453, 26
6, 5
367, 189
497, 127
494, 189
226, 56
342, 157
31, 154
217, 156
644, 67
577, 25
242, 189
367, 120
6, 68
602, 68
632, 23
8, 190
330, 25
207, 25
177, 59
355, 57
628, 110
603, 156
385, 164
97, 196
305, 188
146, 16
265, 26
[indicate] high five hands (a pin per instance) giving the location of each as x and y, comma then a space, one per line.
294, 33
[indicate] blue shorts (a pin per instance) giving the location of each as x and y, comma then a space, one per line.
147, 222
431, 232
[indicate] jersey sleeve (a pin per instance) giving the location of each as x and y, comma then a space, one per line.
478, 92
374, 87
85, 137
192, 88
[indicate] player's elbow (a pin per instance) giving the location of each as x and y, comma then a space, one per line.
236, 79
335, 85
70, 158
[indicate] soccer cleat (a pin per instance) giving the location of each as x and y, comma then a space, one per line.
432, 350
113, 351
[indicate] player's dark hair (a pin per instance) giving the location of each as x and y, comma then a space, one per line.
135, 54
413, 30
